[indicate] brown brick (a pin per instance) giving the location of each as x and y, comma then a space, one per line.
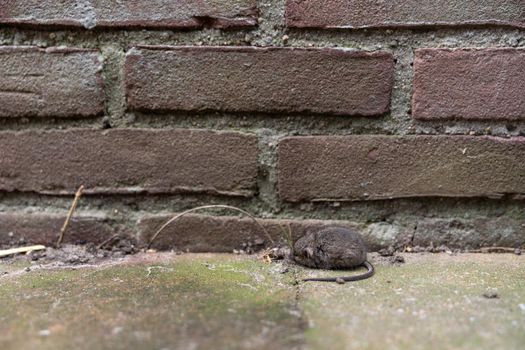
378, 167
203, 233
42, 228
241, 79
469, 83
128, 161
50, 82
130, 13
403, 13
470, 233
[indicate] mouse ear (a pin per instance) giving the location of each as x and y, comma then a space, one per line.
309, 252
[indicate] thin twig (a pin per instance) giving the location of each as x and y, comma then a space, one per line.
288, 237
210, 207
108, 240
21, 250
69, 215
492, 250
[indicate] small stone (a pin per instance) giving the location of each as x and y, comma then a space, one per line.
106, 123
517, 251
73, 259
491, 294
284, 270
387, 251
34, 256
397, 259
27, 269
339, 280
44, 333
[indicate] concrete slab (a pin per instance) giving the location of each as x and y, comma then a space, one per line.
433, 301
151, 302
210, 301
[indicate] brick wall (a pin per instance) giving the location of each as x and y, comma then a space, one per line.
405, 119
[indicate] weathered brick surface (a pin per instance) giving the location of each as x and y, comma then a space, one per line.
50, 82
259, 79
130, 13
128, 161
470, 233
41, 228
203, 233
377, 167
403, 13
469, 83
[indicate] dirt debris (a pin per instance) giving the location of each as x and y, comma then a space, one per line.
78, 254
491, 293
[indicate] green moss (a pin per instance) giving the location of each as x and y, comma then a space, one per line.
224, 301
148, 306
12, 265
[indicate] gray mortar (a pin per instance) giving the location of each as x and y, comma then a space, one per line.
267, 179
114, 84
389, 222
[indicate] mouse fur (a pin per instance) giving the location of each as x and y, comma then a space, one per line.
330, 248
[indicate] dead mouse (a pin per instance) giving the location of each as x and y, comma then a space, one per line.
333, 248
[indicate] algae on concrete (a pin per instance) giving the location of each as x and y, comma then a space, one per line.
210, 301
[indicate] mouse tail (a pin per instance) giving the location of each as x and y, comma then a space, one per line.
369, 273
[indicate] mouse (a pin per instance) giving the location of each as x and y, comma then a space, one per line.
333, 247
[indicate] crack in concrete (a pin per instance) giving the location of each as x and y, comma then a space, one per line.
302, 320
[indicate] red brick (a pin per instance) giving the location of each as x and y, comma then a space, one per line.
50, 82
470, 233
402, 13
130, 13
128, 161
42, 228
241, 79
203, 233
469, 84
378, 167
